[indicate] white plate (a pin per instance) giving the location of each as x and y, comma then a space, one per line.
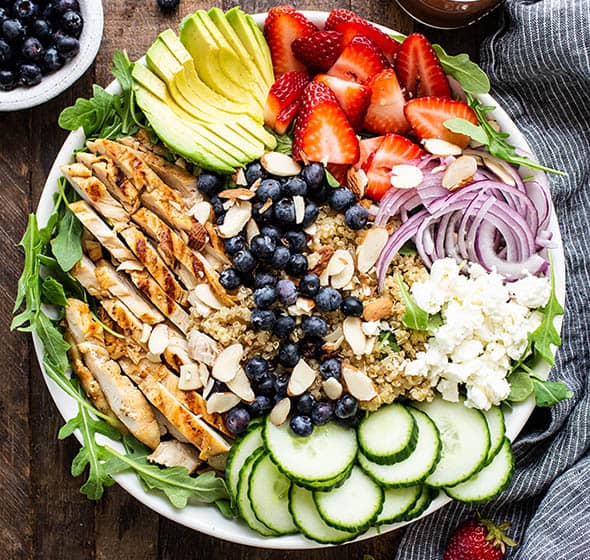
57, 82
207, 519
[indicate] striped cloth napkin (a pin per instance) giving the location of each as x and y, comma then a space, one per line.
539, 65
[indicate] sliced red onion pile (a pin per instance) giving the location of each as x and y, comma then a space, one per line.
500, 226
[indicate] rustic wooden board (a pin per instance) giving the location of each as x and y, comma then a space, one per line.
43, 515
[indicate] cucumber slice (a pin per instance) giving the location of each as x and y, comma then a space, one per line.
269, 496
426, 496
388, 435
397, 503
239, 453
489, 481
352, 507
310, 523
414, 468
495, 419
327, 485
465, 441
242, 500
325, 455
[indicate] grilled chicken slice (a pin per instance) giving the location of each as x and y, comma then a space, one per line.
91, 246
127, 321
119, 186
173, 453
85, 272
121, 288
103, 233
124, 399
95, 192
147, 377
213, 279
149, 257
169, 211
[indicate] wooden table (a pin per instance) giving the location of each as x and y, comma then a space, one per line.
42, 513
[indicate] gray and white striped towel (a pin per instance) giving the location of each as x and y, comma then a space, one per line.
539, 65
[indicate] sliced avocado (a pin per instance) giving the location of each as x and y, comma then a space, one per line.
253, 40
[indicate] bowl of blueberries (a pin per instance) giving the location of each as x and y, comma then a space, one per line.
45, 46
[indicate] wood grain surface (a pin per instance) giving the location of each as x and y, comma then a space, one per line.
42, 513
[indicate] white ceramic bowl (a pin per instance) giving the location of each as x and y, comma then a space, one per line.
207, 519
57, 82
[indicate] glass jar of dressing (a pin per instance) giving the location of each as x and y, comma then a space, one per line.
448, 14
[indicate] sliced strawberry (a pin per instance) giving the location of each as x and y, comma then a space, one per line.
322, 131
339, 172
386, 111
428, 114
368, 147
419, 70
283, 95
353, 98
283, 25
351, 25
359, 61
394, 150
318, 51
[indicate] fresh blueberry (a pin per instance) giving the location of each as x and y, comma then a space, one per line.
341, 199
48, 12
5, 53
311, 347
356, 217
230, 279
237, 420
295, 240
328, 299
13, 31
353, 421
261, 216
281, 383
254, 171
346, 407
217, 205
309, 285
244, 261
209, 183
284, 326
72, 23
168, 4
269, 188
311, 214
297, 265
294, 186
351, 306
3, 14
314, 175
331, 368
234, 244
261, 405
314, 326
280, 258
288, 354
219, 387
320, 195
262, 319
272, 232
41, 29
266, 385
29, 75
7, 80
220, 219
264, 297
304, 404
264, 279
287, 292
284, 212
256, 367
24, 10
62, 6
68, 47
32, 49
262, 247
301, 426
321, 413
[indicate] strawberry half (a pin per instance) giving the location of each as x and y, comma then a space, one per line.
394, 149
351, 25
360, 60
284, 25
419, 70
428, 114
322, 131
283, 100
353, 98
386, 110
368, 147
318, 51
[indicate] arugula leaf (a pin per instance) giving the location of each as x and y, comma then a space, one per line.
67, 245
462, 126
414, 316
408, 248
52, 292
469, 75
122, 70
399, 37
284, 142
548, 393
521, 386
387, 338
331, 180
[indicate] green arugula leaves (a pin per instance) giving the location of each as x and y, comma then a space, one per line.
415, 317
469, 75
331, 180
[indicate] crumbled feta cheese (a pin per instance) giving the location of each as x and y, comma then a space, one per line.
531, 291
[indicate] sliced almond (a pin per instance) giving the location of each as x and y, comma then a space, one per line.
227, 364
202, 347
324, 278
240, 178
158, 339
201, 211
378, 309
354, 335
305, 304
299, 204
207, 296
267, 204
311, 229
279, 164
325, 252
199, 308
370, 247
333, 340
252, 230
240, 386
334, 335
235, 219
313, 259
333, 388
499, 170
154, 358
228, 204
301, 379
357, 181
357, 383
190, 378
280, 412
438, 147
204, 374
239, 193
146, 331
406, 176
459, 173
343, 278
221, 402
208, 388
337, 262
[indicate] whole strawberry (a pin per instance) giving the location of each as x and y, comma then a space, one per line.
478, 539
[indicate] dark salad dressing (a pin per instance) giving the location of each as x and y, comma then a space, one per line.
448, 14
